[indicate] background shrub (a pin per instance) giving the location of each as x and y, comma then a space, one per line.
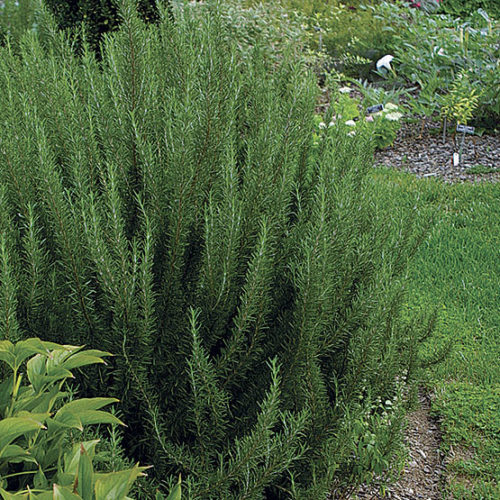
435, 50
174, 205
99, 16
463, 8
351, 35
16, 16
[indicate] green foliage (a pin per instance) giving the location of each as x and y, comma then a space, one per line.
351, 36
381, 126
463, 8
269, 24
98, 16
461, 101
482, 169
439, 48
354, 38
82, 482
168, 204
16, 16
37, 422
457, 269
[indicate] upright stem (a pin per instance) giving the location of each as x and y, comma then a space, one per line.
461, 148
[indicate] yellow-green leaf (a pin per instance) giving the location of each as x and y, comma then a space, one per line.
71, 459
82, 404
63, 493
176, 494
13, 496
116, 485
85, 476
13, 427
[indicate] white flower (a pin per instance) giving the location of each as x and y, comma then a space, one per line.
385, 62
345, 90
350, 123
390, 106
331, 124
393, 117
322, 125
440, 52
352, 133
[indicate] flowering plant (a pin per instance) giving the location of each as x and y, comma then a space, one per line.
382, 126
385, 125
441, 47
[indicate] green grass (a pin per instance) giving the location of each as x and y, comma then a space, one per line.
457, 271
482, 169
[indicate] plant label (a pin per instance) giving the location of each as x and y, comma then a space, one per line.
375, 109
465, 129
456, 159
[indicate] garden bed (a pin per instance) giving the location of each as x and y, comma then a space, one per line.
430, 156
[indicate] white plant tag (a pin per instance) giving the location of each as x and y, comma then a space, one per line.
456, 159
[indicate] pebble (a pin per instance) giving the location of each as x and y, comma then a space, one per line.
422, 476
430, 157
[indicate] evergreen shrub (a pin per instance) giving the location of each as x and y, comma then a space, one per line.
173, 204
98, 16
16, 16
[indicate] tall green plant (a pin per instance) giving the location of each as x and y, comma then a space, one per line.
169, 204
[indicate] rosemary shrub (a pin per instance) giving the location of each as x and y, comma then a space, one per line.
171, 203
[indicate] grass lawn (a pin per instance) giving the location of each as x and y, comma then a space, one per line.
457, 270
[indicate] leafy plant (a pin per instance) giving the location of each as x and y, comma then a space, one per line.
98, 16
461, 101
37, 423
463, 8
426, 104
426, 47
482, 169
350, 35
16, 16
386, 125
381, 126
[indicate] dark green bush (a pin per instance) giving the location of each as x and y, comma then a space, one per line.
99, 16
172, 204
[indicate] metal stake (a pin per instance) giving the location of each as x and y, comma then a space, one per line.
461, 147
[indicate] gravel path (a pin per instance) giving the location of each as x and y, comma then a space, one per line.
429, 156
422, 478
